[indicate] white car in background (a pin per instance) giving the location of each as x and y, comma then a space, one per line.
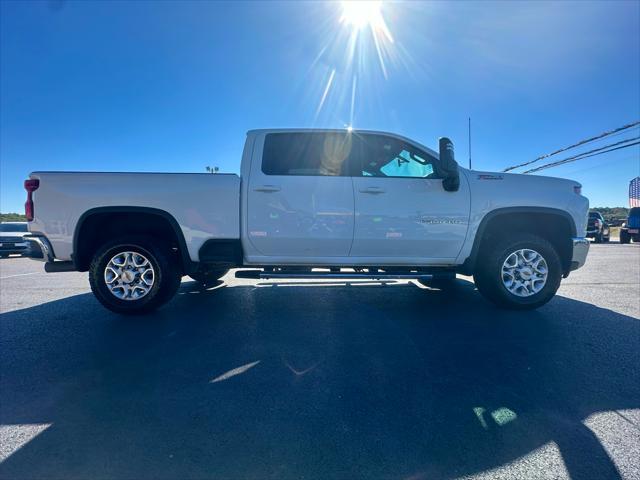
12, 238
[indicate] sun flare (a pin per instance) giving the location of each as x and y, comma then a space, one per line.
361, 13
358, 49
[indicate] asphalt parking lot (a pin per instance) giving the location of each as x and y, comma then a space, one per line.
288, 380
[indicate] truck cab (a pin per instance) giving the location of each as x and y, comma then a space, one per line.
339, 198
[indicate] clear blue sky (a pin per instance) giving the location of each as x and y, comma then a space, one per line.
174, 86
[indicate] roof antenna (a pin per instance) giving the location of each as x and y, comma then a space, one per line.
469, 143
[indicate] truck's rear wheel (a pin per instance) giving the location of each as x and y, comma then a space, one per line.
133, 275
521, 273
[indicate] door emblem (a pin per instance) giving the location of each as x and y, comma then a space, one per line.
441, 221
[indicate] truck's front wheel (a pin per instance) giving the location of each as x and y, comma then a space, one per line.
133, 275
521, 273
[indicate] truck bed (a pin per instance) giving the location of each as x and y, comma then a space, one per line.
203, 205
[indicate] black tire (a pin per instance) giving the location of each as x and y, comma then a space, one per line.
488, 274
209, 276
607, 238
166, 280
4, 255
624, 236
598, 238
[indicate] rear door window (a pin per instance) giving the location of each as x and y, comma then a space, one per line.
307, 154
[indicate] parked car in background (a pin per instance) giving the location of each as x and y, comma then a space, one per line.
631, 228
12, 238
598, 228
311, 204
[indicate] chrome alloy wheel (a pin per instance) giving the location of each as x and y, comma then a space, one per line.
524, 272
129, 275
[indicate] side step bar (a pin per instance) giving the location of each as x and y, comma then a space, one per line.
263, 275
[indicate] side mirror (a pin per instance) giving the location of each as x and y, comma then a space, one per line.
448, 166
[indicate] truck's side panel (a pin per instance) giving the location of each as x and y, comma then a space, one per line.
204, 205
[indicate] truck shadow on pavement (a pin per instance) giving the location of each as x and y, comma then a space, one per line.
317, 382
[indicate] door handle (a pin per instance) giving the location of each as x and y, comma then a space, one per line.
267, 188
372, 190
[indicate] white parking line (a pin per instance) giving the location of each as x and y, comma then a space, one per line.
19, 275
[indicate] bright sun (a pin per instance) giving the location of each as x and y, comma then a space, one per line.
363, 40
361, 13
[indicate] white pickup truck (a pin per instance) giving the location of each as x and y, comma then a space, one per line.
311, 204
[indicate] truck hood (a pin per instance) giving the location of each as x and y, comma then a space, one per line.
540, 181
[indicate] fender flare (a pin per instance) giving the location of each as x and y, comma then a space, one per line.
470, 262
187, 263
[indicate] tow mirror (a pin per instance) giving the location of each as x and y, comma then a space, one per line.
448, 166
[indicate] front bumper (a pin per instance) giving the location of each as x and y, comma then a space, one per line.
580, 251
39, 248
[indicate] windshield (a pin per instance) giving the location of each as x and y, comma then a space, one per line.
13, 227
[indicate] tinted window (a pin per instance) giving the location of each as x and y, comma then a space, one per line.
13, 227
307, 154
382, 156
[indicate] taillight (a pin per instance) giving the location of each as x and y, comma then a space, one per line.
30, 185
598, 223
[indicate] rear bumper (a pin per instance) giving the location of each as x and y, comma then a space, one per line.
580, 251
39, 248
